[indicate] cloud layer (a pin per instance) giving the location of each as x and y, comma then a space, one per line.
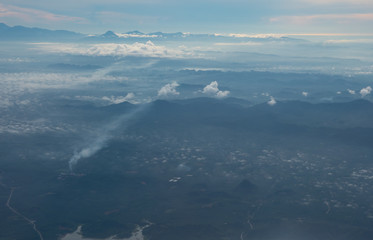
148, 49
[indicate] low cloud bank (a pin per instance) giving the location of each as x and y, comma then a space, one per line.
148, 49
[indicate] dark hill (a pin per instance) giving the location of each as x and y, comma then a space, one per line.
20, 33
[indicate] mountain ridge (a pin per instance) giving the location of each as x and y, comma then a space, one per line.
22, 33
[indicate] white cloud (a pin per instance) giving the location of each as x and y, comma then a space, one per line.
148, 49
269, 35
222, 94
272, 101
116, 100
365, 91
239, 44
213, 89
15, 60
133, 35
169, 89
351, 91
305, 94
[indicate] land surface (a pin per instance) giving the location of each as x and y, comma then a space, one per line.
197, 169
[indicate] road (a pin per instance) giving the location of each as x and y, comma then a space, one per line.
32, 222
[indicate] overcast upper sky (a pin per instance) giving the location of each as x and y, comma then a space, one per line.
196, 16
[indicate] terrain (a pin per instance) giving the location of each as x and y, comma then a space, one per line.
198, 168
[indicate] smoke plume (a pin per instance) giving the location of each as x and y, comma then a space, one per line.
103, 136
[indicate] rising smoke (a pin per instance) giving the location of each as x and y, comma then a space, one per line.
104, 135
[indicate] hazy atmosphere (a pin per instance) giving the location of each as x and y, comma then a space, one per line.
187, 120
206, 16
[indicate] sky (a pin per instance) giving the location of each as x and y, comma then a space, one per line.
195, 16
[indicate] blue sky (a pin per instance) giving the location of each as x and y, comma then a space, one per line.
196, 16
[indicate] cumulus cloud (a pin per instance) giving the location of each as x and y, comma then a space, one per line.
168, 89
213, 90
148, 49
222, 94
351, 91
120, 99
365, 91
272, 101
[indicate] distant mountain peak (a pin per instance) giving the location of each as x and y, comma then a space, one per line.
135, 32
109, 34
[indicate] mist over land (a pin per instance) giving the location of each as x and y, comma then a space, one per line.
185, 136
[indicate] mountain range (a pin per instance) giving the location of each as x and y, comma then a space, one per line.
21, 33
